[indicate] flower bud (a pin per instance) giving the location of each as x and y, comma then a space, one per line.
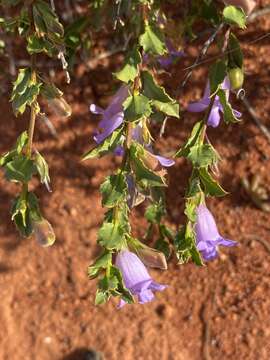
44, 232
236, 77
152, 258
60, 106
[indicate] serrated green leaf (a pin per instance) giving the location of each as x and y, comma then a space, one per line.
136, 107
152, 40
20, 169
130, 69
24, 210
154, 213
102, 262
101, 297
111, 236
193, 139
211, 186
202, 155
19, 146
108, 145
161, 100
234, 16
113, 190
228, 113
43, 169
21, 142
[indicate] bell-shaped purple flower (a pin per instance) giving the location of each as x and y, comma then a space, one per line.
112, 116
136, 277
217, 108
207, 236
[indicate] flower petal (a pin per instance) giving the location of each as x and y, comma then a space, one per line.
135, 275
95, 109
165, 161
226, 242
198, 106
109, 127
214, 117
205, 227
157, 287
121, 304
145, 296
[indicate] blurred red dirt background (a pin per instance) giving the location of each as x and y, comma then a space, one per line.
217, 312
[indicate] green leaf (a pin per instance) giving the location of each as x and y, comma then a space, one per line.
235, 52
194, 187
130, 69
43, 169
161, 100
113, 190
136, 107
37, 45
101, 297
211, 186
121, 289
42, 10
111, 236
185, 244
217, 74
154, 213
25, 91
21, 217
193, 140
234, 16
19, 146
152, 40
102, 262
24, 210
202, 155
21, 142
20, 169
228, 114
108, 145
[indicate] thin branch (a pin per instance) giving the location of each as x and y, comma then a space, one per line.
261, 12
256, 119
202, 53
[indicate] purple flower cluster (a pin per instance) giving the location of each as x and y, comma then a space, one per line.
207, 235
113, 117
136, 277
217, 108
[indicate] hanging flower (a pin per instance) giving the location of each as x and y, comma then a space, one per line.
136, 277
112, 116
207, 235
217, 108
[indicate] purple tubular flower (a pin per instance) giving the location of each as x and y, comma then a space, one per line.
207, 236
217, 108
112, 116
136, 277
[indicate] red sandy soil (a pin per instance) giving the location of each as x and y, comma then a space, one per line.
218, 312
